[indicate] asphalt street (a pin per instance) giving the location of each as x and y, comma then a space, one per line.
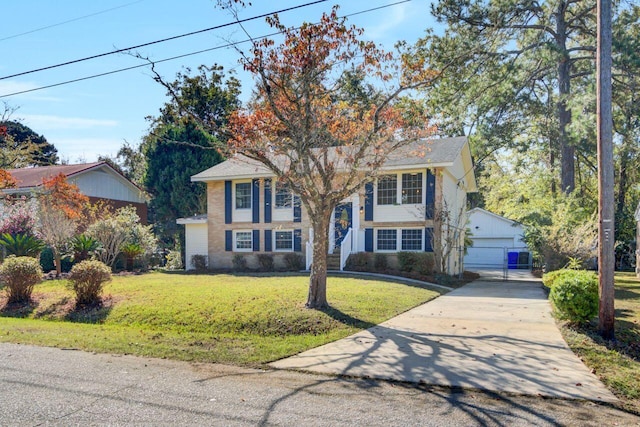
47, 386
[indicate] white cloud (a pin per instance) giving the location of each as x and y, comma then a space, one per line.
76, 150
392, 21
49, 122
8, 87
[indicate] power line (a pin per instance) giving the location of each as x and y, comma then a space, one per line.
182, 56
70, 20
217, 27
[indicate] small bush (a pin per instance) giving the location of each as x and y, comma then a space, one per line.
293, 262
174, 260
20, 275
575, 297
87, 279
266, 262
426, 263
380, 262
239, 262
407, 261
359, 261
199, 262
551, 279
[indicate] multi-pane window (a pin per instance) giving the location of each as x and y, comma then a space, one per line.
387, 240
411, 240
283, 196
412, 188
243, 195
244, 240
284, 240
387, 189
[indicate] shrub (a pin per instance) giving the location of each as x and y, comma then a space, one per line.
199, 262
20, 275
174, 260
293, 262
131, 251
359, 261
552, 278
575, 297
380, 262
266, 262
83, 247
426, 263
239, 262
407, 261
21, 245
87, 279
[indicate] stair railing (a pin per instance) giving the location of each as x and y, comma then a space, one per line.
346, 247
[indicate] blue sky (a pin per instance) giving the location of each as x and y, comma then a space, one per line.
94, 117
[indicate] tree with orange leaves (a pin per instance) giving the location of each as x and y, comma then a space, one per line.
6, 180
317, 134
61, 208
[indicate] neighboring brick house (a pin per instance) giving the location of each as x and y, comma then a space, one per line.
250, 212
98, 181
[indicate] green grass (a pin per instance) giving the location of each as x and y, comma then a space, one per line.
616, 364
238, 319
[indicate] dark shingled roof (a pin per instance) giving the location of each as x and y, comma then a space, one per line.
427, 153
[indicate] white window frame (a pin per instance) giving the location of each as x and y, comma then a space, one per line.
398, 231
421, 230
395, 202
275, 194
235, 192
274, 243
235, 241
399, 188
421, 189
389, 251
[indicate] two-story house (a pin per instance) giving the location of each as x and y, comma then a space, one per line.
250, 212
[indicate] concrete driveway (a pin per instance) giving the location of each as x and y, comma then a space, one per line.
490, 335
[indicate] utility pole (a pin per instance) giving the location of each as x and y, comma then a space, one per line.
606, 259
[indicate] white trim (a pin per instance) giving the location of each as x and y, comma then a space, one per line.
235, 241
398, 240
273, 240
244, 214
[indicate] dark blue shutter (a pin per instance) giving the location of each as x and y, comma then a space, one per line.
430, 205
228, 240
228, 202
428, 239
256, 240
297, 209
255, 201
267, 201
267, 240
297, 240
368, 201
368, 239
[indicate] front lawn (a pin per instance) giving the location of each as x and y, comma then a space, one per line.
243, 319
616, 364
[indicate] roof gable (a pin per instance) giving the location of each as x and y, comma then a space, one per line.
495, 216
32, 177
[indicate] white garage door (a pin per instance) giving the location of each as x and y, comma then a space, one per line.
487, 253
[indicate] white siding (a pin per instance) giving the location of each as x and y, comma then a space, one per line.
195, 242
106, 184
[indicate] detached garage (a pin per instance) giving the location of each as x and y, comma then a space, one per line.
497, 242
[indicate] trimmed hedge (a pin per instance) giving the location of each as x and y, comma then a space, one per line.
87, 279
574, 295
20, 275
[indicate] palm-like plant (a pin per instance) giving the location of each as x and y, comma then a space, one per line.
21, 245
131, 251
83, 247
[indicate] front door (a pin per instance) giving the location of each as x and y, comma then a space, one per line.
342, 217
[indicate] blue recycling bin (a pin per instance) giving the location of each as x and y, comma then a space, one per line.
512, 260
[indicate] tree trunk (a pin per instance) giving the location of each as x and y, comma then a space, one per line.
57, 260
318, 277
567, 150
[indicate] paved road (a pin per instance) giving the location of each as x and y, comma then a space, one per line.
45, 386
490, 335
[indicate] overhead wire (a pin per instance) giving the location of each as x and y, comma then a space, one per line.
112, 52
93, 76
35, 30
